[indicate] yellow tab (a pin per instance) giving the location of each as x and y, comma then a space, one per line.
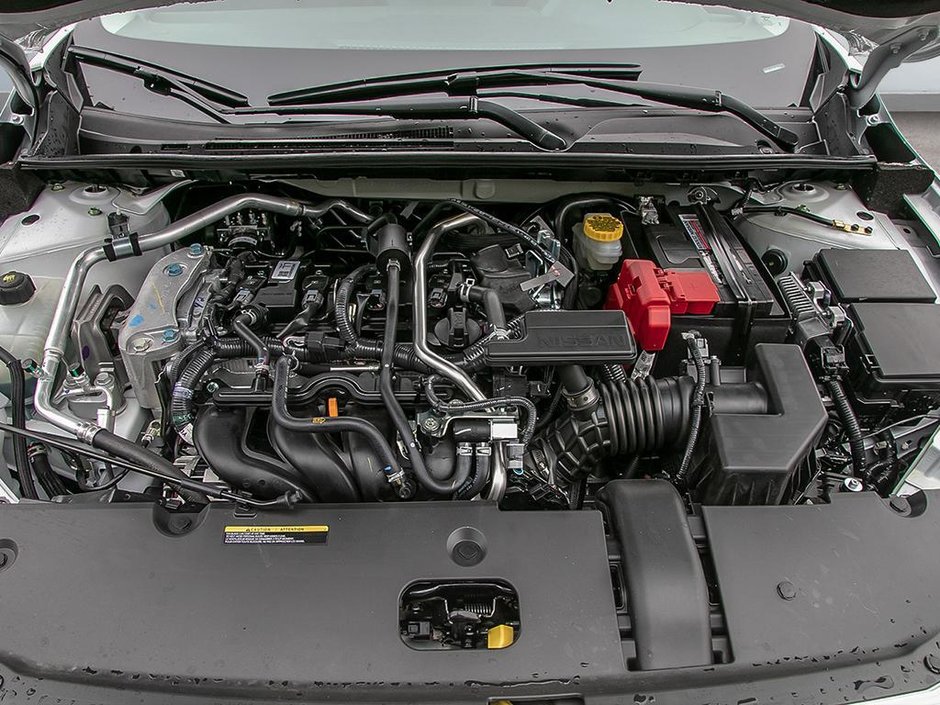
332, 407
499, 637
310, 528
603, 227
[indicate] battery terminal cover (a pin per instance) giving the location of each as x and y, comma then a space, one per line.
650, 296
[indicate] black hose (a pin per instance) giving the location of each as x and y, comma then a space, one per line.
138, 455
341, 303
481, 473
241, 325
47, 477
395, 412
24, 470
698, 401
491, 303
625, 419
321, 424
181, 400
527, 405
850, 425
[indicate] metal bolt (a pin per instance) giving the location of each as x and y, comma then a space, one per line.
170, 334
140, 344
786, 590
873, 120
94, 211
104, 379
173, 270
431, 424
212, 387
196, 249
853, 484
57, 186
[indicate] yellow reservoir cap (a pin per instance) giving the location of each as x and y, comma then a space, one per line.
603, 227
500, 636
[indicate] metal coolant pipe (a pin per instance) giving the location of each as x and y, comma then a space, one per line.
424, 352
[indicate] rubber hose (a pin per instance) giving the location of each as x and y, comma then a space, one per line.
465, 490
492, 306
850, 425
181, 401
341, 304
320, 424
395, 412
462, 406
47, 477
24, 470
138, 455
241, 327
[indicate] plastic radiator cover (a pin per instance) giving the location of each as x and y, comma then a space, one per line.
119, 597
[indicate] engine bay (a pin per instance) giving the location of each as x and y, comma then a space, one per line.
749, 345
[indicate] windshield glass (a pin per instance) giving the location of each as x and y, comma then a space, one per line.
469, 25
259, 48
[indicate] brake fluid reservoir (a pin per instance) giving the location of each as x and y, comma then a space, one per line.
597, 241
26, 308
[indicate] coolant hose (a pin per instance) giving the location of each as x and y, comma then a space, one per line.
399, 420
24, 470
326, 424
490, 301
850, 425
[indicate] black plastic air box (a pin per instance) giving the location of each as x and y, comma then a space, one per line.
752, 457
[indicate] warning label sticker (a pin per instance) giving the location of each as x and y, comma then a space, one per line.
695, 231
301, 534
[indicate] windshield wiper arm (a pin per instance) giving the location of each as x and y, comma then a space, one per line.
469, 107
469, 82
451, 81
205, 96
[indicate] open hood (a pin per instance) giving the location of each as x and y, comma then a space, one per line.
879, 21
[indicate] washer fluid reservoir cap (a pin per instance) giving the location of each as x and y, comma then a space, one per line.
16, 288
603, 227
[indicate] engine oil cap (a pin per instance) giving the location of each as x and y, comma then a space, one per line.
16, 288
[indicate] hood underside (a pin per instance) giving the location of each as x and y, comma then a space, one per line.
877, 20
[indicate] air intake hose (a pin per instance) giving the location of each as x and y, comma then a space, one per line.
620, 418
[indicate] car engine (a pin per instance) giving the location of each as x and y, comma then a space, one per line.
748, 344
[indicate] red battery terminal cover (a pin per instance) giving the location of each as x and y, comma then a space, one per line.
650, 295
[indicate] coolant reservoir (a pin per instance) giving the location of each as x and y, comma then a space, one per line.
26, 308
597, 241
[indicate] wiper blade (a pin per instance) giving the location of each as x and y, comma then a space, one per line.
459, 108
450, 81
468, 83
207, 97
